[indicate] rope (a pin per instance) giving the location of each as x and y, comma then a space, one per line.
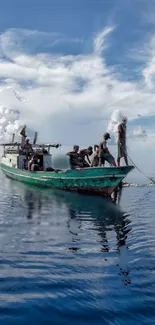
149, 178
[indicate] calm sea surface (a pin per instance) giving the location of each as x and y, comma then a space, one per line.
72, 259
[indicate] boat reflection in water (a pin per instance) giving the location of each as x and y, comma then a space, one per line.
87, 223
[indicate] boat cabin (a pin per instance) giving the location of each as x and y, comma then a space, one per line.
16, 157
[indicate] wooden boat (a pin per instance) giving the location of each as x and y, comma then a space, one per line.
97, 180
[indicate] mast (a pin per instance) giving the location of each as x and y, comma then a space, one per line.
13, 137
35, 137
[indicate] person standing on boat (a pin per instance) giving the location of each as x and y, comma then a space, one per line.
27, 148
23, 164
84, 154
104, 153
23, 134
74, 158
122, 151
95, 158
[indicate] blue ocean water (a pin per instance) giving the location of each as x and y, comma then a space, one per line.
75, 259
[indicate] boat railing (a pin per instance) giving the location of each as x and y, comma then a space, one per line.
11, 151
10, 144
16, 144
15, 148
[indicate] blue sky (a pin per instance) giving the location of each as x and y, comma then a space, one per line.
75, 64
58, 15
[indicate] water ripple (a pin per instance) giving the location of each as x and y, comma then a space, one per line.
68, 258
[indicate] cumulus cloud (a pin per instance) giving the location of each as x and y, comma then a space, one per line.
67, 98
116, 118
112, 128
9, 123
138, 132
149, 70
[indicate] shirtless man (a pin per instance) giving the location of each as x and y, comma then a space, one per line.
27, 148
95, 157
104, 153
122, 151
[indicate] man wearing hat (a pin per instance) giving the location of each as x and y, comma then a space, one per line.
104, 153
122, 152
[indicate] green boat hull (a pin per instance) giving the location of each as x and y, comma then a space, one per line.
99, 180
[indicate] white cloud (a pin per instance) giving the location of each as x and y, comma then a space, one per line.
99, 41
67, 98
112, 128
15, 41
149, 70
138, 132
9, 123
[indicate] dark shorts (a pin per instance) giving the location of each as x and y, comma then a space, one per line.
108, 158
121, 150
102, 160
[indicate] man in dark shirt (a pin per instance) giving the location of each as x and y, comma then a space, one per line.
74, 158
122, 151
104, 153
84, 154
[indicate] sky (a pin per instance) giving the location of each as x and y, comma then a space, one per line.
70, 68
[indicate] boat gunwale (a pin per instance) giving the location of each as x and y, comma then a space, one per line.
62, 174
95, 188
46, 178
